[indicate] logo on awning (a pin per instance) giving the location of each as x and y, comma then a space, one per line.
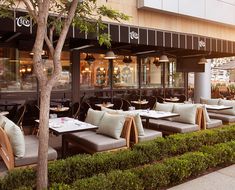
201, 44
134, 35
22, 21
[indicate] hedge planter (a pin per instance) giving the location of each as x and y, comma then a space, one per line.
161, 175
83, 166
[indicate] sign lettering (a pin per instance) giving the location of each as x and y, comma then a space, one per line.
22, 21
133, 35
202, 44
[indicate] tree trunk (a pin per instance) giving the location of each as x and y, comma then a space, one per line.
42, 177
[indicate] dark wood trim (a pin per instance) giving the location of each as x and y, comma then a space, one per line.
75, 60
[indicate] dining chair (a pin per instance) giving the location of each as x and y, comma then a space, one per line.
118, 103
83, 110
19, 116
160, 99
126, 104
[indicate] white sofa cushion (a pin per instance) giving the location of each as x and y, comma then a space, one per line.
227, 103
94, 117
187, 113
164, 107
15, 135
111, 125
213, 101
138, 121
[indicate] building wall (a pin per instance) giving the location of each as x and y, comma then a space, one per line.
174, 22
213, 10
190, 16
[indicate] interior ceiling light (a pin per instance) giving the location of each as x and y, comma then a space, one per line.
127, 59
89, 58
110, 55
156, 62
202, 60
163, 59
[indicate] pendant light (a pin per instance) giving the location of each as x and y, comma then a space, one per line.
163, 59
110, 55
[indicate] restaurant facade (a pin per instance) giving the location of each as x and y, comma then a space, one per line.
138, 44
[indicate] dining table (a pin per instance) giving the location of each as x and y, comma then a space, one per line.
4, 113
65, 125
106, 105
152, 114
217, 107
174, 99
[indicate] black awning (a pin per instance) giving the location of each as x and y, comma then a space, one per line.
132, 35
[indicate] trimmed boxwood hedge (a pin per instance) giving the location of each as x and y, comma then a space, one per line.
83, 166
170, 172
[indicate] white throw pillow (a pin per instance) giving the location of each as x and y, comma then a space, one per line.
187, 113
94, 117
111, 125
227, 103
138, 122
168, 107
137, 118
213, 101
15, 136
206, 115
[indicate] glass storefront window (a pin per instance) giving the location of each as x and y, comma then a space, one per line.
94, 72
125, 72
16, 71
151, 75
173, 78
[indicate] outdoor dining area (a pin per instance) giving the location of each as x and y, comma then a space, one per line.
106, 124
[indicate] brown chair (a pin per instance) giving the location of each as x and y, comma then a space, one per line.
126, 104
182, 98
74, 109
81, 115
160, 99
117, 103
19, 116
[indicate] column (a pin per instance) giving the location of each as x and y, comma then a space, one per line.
75, 60
202, 83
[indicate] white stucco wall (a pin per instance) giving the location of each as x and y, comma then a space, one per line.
222, 11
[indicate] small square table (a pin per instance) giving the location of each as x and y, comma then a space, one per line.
108, 105
4, 113
64, 125
152, 114
217, 107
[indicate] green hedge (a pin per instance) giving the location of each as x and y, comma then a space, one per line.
83, 166
160, 175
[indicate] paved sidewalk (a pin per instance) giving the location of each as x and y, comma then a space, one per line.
223, 179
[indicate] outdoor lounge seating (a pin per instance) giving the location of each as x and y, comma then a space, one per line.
149, 134
139, 133
19, 150
92, 141
192, 121
214, 123
227, 116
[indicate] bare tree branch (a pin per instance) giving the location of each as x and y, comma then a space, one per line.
50, 45
32, 11
63, 34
